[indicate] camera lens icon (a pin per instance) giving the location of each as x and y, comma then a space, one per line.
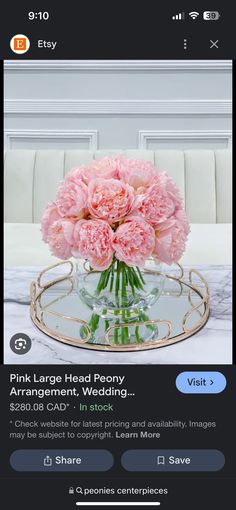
20, 343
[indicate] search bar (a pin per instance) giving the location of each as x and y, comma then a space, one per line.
116, 503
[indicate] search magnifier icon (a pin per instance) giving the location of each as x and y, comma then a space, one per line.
79, 490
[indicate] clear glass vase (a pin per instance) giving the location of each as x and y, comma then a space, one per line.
119, 299
120, 291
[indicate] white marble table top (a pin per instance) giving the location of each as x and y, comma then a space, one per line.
211, 345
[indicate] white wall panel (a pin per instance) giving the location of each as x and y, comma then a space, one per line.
50, 139
101, 104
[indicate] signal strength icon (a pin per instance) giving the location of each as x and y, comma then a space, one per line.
179, 16
193, 14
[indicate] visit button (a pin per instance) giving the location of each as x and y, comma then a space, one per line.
200, 382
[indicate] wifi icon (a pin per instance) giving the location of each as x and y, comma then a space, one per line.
194, 14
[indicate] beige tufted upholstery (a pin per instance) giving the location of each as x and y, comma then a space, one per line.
204, 177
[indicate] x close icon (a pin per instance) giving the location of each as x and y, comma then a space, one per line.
214, 44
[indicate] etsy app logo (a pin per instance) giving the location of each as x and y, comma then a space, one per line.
19, 43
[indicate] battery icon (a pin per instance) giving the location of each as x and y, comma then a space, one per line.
211, 15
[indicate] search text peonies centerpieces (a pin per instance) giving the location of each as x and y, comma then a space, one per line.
123, 217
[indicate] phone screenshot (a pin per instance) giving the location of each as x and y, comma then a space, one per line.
117, 376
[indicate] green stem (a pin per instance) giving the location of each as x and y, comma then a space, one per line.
112, 277
144, 317
140, 275
105, 281
130, 277
100, 283
125, 276
123, 302
138, 337
116, 334
94, 322
117, 283
125, 313
136, 280
123, 288
127, 283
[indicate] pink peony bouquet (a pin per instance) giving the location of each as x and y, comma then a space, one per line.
116, 209
116, 213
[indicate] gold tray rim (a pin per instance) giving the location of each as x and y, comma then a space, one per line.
120, 348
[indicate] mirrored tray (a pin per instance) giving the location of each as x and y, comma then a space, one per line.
181, 311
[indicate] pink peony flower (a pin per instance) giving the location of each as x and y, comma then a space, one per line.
110, 199
93, 241
76, 175
60, 238
172, 190
143, 207
182, 219
105, 168
134, 241
138, 173
49, 216
171, 237
71, 199
155, 205
159, 201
